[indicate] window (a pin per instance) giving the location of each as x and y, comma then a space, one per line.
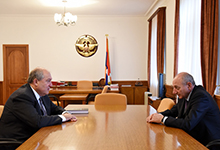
189, 39
156, 51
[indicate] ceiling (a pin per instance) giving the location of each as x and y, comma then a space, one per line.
98, 7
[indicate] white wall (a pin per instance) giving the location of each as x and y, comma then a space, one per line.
53, 47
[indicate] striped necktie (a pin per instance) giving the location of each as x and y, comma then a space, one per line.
44, 111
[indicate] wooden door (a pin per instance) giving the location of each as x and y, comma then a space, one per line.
16, 68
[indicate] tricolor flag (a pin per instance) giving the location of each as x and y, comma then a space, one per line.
108, 79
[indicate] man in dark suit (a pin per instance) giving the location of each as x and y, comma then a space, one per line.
24, 114
196, 112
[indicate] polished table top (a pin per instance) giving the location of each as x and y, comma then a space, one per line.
112, 128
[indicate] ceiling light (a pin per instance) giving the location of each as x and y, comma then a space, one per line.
66, 18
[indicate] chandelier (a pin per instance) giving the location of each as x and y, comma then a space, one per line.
66, 18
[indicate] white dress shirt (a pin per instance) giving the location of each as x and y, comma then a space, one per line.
38, 97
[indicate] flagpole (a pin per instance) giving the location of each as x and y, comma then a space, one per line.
107, 65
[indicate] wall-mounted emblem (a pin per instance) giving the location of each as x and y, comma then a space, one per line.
86, 45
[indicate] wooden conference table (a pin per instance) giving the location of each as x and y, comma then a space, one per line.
112, 128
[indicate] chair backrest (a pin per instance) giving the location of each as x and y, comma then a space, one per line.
1, 110
110, 99
166, 103
84, 84
54, 99
105, 89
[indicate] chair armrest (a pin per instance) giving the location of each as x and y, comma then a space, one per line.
9, 141
213, 143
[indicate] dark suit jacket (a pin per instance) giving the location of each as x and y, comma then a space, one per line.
201, 119
22, 116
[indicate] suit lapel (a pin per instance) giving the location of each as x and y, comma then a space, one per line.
37, 106
190, 102
187, 109
181, 109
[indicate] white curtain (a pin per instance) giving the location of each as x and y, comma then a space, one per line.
189, 39
153, 73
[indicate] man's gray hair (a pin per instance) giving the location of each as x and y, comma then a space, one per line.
186, 77
36, 73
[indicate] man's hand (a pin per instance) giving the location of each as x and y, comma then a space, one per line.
149, 118
155, 118
70, 117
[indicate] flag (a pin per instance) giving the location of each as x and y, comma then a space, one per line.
107, 65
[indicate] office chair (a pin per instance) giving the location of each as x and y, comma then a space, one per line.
7, 143
104, 90
54, 99
102, 82
84, 84
110, 99
166, 103
81, 85
214, 145
110, 102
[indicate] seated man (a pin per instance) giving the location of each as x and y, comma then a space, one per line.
29, 108
196, 112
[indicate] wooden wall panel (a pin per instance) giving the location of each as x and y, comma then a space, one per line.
129, 92
132, 83
135, 94
139, 94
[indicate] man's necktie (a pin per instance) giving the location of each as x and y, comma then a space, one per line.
186, 102
43, 109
